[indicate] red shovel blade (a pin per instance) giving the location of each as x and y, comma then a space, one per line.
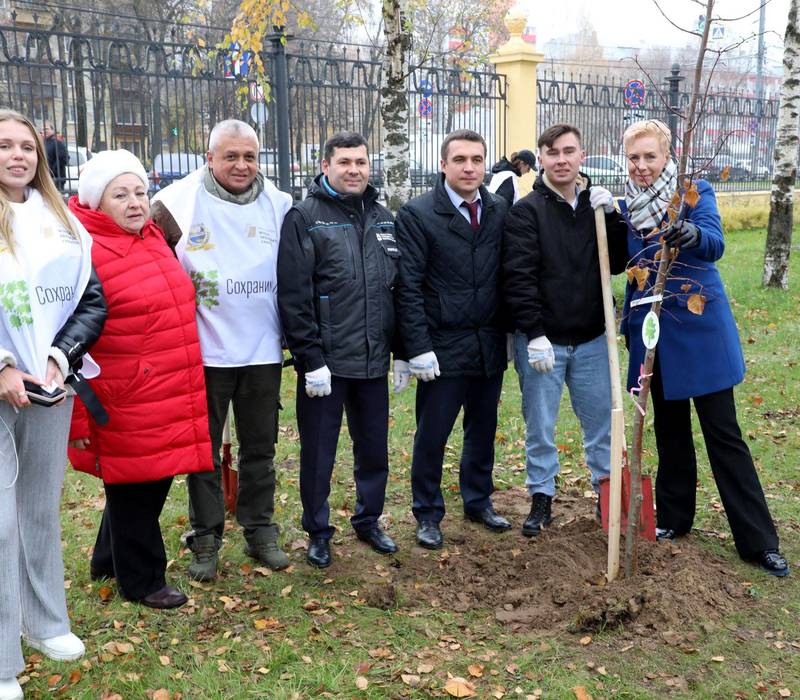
647, 521
230, 479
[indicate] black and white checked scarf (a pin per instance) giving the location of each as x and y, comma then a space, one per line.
647, 205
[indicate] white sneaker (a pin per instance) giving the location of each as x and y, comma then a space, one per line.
10, 689
66, 647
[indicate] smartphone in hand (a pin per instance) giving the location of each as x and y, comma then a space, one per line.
44, 395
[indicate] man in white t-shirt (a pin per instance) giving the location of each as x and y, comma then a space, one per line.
224, 221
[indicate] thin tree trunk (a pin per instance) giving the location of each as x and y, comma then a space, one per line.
779, 229
394, 104
664, 267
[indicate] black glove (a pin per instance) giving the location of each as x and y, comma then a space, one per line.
684, 234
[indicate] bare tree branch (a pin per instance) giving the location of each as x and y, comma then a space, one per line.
674, 24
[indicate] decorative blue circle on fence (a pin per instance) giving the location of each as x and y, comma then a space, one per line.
634, 93
425, 108
426, 87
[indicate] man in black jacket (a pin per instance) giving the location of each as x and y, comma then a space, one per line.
57, 155
448, 307
552, 288
337, 265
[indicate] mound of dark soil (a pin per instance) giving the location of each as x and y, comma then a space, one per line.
556, 580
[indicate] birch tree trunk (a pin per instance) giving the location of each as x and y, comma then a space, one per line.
779, 230
394, 104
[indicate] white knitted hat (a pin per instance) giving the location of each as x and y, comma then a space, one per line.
101, 169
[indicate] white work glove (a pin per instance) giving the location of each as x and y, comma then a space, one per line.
540, 354
401, 374
601, 197
318, 382
424, 366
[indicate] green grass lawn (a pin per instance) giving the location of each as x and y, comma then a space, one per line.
310, 634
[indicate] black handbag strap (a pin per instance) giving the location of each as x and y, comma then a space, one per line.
78, 382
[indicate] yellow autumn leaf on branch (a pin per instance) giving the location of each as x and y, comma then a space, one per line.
692, 197
696, 303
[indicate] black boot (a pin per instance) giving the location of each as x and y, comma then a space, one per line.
539, 517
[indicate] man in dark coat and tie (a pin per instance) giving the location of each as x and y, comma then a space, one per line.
448, 310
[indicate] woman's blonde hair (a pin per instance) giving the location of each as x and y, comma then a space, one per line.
649, 127
42, 182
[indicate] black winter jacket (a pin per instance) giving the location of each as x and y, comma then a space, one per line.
83, 328
551, 273
449, 294
57, 159
337, 265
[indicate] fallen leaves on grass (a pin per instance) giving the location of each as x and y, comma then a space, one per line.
581, 693
459, 688
361, 683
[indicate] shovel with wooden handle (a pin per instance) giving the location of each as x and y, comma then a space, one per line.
617, 416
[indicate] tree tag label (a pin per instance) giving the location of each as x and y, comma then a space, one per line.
650, 330
647, 300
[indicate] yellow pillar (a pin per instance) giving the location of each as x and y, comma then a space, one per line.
517, 60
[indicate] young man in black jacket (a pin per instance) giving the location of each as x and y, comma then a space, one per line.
448, 307
337, 264
57, 155
552, 288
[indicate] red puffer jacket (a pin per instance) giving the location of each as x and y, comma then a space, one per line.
151, 380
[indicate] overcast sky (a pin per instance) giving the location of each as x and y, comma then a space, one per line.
638, 23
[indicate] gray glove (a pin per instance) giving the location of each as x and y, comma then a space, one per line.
684, 234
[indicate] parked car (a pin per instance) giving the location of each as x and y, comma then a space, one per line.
608, 171
761, 171
421, 177
171, 166
268, 165
78, 155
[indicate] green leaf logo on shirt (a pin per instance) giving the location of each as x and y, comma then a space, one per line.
206, 287
16, 303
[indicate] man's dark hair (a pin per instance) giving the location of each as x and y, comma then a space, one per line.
343, 139
551, 134
462, 135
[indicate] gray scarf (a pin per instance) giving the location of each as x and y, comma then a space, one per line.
249, 195
648, 205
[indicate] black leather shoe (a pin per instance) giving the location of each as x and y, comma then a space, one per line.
773, 562
164, 598
489, 519
540, 516
319, 552
665, 534
429, 535
376, 538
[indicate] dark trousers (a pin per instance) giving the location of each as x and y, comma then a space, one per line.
319, 421
254, 391
129, 545
731, 464
438, 404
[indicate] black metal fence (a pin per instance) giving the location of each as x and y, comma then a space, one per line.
160, 99
733, 143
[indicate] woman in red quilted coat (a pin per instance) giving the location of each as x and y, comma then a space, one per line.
151, 380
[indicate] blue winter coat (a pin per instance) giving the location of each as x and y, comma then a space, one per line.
697, 354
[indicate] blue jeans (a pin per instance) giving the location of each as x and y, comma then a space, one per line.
584, 369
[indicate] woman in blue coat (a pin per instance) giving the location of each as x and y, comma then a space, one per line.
698, 358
